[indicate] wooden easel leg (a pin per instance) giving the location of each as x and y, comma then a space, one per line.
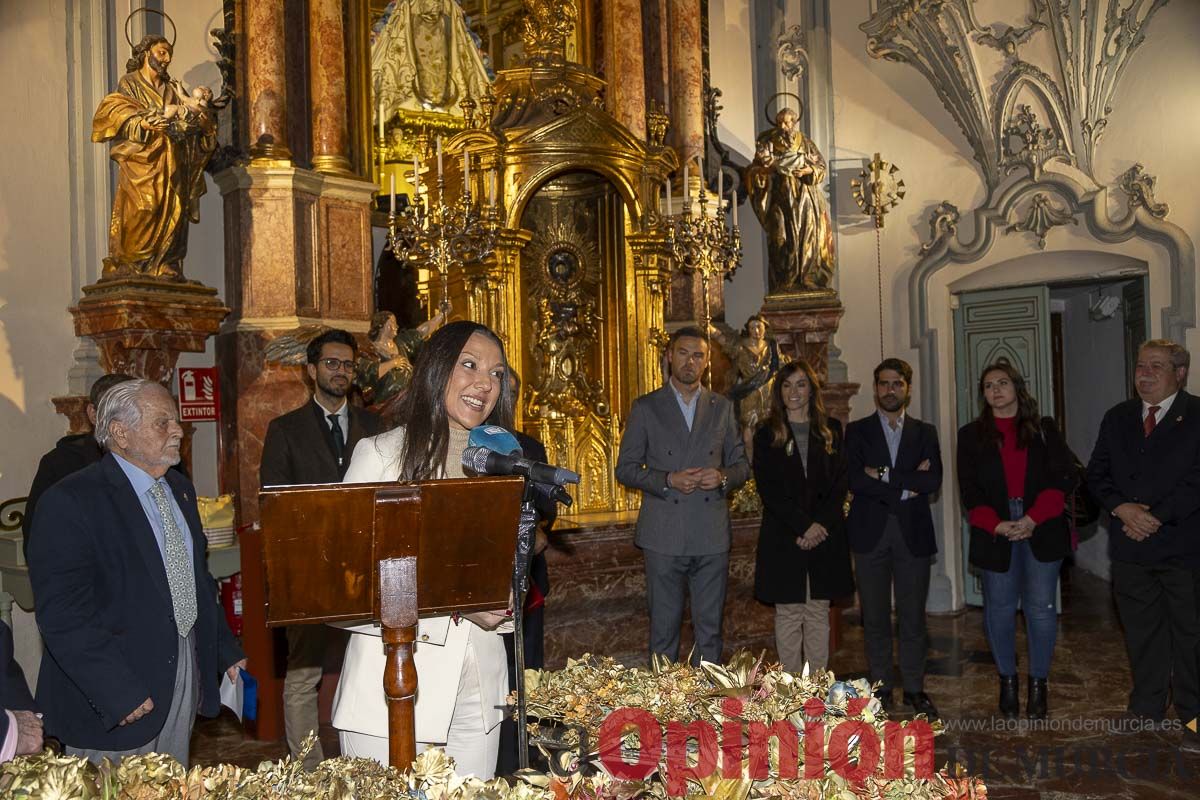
398, 614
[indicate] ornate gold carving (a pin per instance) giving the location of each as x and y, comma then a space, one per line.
657, 123
548, 23
1140, 188
878, 189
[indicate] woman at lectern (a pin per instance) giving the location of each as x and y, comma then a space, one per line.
459, 381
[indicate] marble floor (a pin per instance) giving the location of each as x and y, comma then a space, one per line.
1073, 757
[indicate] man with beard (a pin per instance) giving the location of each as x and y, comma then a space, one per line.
895, 464
683, 450
135, 638
313, 445
161, 142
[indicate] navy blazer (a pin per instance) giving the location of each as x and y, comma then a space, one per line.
105, 613
1161, 470
874, 500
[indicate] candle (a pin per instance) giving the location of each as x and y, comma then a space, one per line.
720, 189
492, 178
439, 157
382, 133
667, 187
392, 197
733, 203
466, 171
416, 177
686, 193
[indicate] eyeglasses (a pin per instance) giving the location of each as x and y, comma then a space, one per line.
334, 364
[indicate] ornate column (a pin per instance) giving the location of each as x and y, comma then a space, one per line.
624, 67
646, 327
805, 332
493, 290
266, 81
686, 72
327, 87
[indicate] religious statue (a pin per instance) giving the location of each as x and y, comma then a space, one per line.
563, 333
384, 372
425, 59
785, 186
756, 359
162, 138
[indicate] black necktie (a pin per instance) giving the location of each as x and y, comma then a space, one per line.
339, 438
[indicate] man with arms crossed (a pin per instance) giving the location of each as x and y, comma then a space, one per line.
683, 450
894, 465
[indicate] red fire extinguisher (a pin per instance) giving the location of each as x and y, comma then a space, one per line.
231, 599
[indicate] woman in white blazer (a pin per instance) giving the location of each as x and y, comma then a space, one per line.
459, 382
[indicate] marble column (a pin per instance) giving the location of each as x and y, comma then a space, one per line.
624, 67
327, 87
686, 72
266, 81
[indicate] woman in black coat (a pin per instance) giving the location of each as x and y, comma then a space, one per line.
803, 554
1013, 473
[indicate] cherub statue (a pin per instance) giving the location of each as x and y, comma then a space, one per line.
756, 359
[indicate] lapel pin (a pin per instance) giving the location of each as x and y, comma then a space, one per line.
1179, 418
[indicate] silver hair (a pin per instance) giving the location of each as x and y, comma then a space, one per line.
120, 404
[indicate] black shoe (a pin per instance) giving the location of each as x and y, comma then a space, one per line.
885, 700
921, 704
1190, 743
1010, 704
1035, 706
1131, 723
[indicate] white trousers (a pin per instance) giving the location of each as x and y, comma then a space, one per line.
469, 743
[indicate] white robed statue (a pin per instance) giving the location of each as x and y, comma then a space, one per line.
424, 59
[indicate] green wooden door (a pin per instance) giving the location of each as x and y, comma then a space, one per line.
1013, 324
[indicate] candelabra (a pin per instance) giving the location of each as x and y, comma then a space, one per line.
701, 243
443, 235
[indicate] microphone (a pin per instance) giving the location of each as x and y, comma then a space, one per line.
485, 462
500, 442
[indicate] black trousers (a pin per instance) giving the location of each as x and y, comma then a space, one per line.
1159, 607
890, 564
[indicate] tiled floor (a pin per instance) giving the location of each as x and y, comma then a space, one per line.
1074, 758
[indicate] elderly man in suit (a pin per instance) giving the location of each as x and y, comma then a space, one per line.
312, 444
1145, 471
894, 465
683, 450
135, 638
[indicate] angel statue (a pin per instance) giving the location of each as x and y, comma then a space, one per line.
756, 359
785, 184
162, 137
382, 373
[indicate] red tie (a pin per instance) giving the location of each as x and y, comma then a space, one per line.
1151, 420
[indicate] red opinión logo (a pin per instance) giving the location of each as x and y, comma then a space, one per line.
737, 737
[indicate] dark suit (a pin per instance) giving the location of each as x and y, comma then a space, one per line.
981, 482
70, 454
1156, 581
794, 496
685, 537
14, 691
104, 609
299, 449
893, 540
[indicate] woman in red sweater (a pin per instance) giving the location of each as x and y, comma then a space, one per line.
1013, 473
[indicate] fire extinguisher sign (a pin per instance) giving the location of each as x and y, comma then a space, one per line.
199, 400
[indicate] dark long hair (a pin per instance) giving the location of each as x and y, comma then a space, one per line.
422, 410
1028, 419
818, 418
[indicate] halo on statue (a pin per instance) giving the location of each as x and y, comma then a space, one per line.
145, 10
772, 98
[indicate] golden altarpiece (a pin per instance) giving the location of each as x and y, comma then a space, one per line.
576, 286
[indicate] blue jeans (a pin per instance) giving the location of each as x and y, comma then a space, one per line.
1035, 583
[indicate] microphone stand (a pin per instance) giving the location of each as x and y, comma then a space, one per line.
520, 584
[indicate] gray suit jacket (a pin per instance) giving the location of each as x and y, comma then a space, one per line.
656, 442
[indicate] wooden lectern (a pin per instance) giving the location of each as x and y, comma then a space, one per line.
390, 552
